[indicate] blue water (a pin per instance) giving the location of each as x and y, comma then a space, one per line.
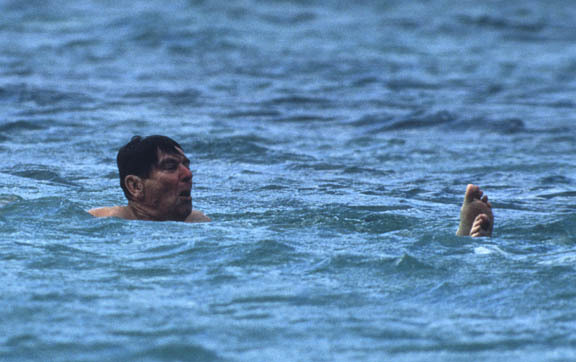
331, 143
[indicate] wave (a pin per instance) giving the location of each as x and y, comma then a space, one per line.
264, 253
176, 352
39, 173
303, 118
345, 219
249, 149
441, 120
43, 97
43, 209
257, 113
389, 265
287, 19
296, 100
165, 251
185, 97
22, 125
502, 23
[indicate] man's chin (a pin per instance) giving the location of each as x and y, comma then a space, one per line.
183, 211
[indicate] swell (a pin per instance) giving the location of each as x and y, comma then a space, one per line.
442, 120
405, 263
49, 209
335, 217
249, 149
41, 96
39, 173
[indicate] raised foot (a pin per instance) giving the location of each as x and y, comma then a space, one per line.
476, 217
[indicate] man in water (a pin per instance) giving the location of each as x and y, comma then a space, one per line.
156, 179
476, 218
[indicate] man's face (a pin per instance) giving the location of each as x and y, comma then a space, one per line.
167, 189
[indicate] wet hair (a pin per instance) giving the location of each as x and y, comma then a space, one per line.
139, 155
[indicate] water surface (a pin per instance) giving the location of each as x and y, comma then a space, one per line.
331, 143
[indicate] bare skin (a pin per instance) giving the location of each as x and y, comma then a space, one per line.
126, 212
164, 195
476, 217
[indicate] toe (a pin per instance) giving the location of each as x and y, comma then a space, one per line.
475, 231
481, 226
472, 192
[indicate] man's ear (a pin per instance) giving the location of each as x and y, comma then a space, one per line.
135, 186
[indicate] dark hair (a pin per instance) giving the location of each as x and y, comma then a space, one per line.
139, 155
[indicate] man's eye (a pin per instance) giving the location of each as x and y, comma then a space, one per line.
170, 165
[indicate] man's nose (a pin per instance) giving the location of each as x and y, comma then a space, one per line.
186, 173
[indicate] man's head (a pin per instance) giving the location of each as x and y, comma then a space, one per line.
155, 177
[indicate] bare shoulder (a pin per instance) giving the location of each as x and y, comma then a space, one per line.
197, 216
113, 211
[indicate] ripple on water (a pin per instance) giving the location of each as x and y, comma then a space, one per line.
24, 125
44, 208
185, 97
442, 120
388, 265
39, 172
503, 23
6, 199
266, 252
177, 352
556, 179
42, 97
300, 101
171, 251
247, 149
349, 219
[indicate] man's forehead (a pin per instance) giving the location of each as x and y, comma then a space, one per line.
178, 154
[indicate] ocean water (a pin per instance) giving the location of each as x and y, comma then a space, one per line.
331, 143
